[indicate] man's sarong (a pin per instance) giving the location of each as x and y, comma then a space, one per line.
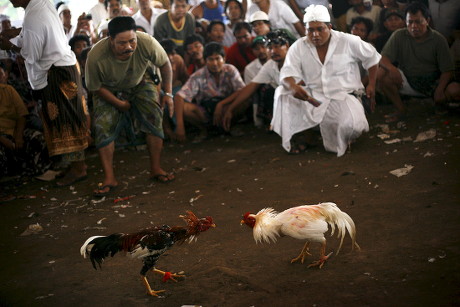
63, 111
145, 116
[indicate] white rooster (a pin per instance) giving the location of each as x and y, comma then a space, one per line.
308, 222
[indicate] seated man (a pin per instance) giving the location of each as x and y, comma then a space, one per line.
194, 46
264, 83
326, 61
22, 150
362, 27
425, 66
200, 101
124, 100
240, 53
261, 25
392, 20
175, 24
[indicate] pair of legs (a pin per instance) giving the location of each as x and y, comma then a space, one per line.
154, 145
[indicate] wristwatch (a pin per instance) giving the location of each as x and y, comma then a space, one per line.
169, 95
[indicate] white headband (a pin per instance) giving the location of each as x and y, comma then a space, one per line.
316, 13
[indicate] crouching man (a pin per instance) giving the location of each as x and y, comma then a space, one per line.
124, 100
326, 61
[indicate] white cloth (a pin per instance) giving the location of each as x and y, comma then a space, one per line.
373, 14
340, 116
316, 13
143, 22
268, 74
229, 37
99, 14
43, 42
251, 70
281, 16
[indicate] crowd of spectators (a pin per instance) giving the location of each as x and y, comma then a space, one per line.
226, 58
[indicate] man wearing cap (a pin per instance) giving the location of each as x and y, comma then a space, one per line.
264, 83
261, 25
126, 101
392, 20
326, 61
54, 77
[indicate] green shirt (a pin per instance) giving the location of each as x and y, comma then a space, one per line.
419, 58
104, 70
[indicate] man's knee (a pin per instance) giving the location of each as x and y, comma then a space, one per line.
453, 91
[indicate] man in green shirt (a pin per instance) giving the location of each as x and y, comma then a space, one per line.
424, 64
124, 98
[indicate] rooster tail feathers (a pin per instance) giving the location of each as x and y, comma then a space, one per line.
337, 218
99, 247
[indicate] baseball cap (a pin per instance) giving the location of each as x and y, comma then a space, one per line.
259, 15
390, 12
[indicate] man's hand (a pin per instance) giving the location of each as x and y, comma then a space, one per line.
227, 120
123, 105
166, 100
217, 120
180, 134
370, 94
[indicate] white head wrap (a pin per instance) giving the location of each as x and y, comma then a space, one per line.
316, 13
62, 8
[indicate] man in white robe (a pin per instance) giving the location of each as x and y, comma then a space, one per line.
326, 61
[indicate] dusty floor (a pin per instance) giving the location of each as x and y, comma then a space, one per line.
407, 227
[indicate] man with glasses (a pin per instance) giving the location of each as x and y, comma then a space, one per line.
320, 81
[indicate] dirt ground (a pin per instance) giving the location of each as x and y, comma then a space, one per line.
407, 227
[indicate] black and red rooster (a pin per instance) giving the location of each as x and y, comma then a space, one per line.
148, 245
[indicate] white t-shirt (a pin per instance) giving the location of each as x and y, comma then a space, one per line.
143, 22
251, 70
43, 42
281, 16
268, 74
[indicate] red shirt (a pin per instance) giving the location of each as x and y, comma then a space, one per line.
240, 57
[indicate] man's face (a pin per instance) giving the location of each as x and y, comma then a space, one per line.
394, 23
417, 24
318, 33
278, 52
217, 33
124, 44
195, 50
65, 16
79, 46
233, 11
260, 27
359, 29
260, 51
114, 8
214, 63
6, 24
243, 37
179, 8
143, 4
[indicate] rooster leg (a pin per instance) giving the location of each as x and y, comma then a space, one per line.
149, 290
322, 258
303, 253
168, 275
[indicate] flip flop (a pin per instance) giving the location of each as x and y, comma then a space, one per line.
75, 180
163, 178
102, 194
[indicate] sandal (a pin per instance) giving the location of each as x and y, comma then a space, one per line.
100, 191
163, 178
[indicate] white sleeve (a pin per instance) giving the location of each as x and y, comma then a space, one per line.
264, 75
32, 50
292, 66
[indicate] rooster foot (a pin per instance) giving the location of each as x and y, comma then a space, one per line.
321, 261
169, 275
302, 254
149, 290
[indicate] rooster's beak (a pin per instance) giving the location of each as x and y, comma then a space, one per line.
241, 222
213, 225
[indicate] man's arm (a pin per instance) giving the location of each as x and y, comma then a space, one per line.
444, 80
237, 99
179, 110
390, 69
300, 28
370, 89
105, 94
166, 85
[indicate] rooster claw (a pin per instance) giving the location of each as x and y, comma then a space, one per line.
155, 293
321, 261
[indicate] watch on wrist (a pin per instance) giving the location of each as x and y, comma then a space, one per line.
169, 95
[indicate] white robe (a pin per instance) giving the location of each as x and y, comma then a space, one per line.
340, 116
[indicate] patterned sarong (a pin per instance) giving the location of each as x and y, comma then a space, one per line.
63, 111
144, 117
